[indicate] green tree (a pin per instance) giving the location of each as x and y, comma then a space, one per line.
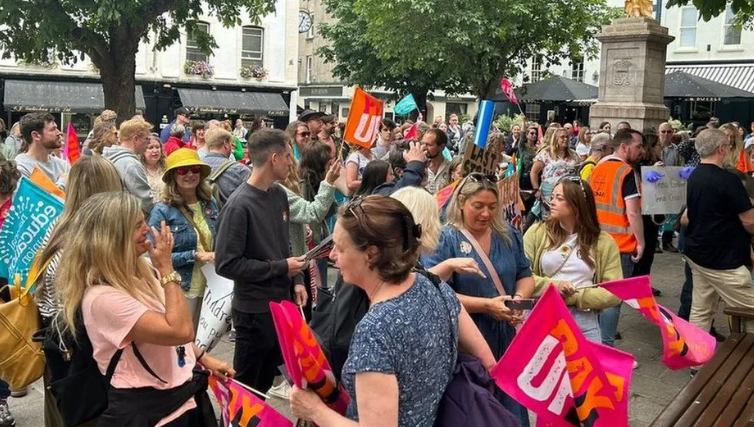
109, 32
359, 62
470, 44
708, 9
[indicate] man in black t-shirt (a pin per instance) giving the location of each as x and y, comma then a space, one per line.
720, 224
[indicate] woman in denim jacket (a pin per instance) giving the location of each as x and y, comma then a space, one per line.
188, 208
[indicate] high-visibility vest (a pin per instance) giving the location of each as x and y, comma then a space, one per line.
607, 184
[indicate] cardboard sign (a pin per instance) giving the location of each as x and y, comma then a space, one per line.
214, 319
484, 160
663, 191
364, 119
510, 202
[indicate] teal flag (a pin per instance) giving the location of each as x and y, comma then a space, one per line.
30, 217
405, 106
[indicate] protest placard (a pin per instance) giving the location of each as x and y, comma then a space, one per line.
484, 160
30, 217
215, 317
663, 190
510, 201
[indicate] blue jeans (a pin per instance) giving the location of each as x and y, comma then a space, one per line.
688, 288
609, 317
4, 390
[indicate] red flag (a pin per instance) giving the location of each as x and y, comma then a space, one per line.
565, 379
71, 151
413, 132
364, 119
507, 88
684, 345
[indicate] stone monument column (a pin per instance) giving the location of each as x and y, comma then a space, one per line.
633, 74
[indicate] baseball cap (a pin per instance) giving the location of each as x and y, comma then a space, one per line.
307, 115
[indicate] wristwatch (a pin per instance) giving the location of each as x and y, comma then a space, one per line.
172, 277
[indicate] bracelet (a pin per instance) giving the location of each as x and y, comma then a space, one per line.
201, 355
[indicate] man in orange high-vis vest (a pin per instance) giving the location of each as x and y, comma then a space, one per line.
616, 193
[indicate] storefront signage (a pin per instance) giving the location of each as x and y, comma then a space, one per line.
321, 91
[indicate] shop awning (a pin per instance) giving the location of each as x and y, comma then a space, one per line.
228, 102
740, 76
553, 89
58, 97
682, 85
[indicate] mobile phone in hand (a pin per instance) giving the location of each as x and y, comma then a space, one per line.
522, 304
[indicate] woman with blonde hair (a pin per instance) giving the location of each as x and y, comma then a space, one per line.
554, 161
476, 229
104, 134
570, 251
736, 156
189, 209
584, 147
134, 314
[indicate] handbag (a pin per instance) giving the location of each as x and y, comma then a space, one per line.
21, 360
487, 263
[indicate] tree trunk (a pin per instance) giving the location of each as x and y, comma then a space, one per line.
420, 96
117, 71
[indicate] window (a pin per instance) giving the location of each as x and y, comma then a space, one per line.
193, 53
536, 70
577, 69
252, 46
532, 112
309, 62
310, 33
732, 32
688, 27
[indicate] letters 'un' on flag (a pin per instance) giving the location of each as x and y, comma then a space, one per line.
241, 408
364, 118
405, 105
507, 88
71, 151
304, 358
684, 345
567, 380
31, 215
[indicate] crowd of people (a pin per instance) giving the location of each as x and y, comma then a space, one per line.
146, 211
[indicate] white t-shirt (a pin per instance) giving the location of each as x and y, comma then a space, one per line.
574, 269
54, 168
360, 159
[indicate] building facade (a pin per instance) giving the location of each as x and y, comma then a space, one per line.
252, 73
320, 90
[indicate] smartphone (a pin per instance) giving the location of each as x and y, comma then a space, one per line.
522, 304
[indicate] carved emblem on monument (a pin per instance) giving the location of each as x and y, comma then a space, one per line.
620, 75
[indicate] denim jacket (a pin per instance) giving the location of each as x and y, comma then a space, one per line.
184, 235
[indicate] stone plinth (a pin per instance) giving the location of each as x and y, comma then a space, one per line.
633, 74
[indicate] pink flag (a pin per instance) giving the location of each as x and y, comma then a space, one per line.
507, 88
684, 345
71, 151
241, 408
304, 358
554, 371
444, 195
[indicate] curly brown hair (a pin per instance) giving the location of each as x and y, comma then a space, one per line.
9, 176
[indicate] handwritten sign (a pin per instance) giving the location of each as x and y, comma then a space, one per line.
510, 201
666, 195
214, 319
484, 160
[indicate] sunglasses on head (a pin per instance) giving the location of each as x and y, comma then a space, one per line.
183, 170
362, 219
574, 179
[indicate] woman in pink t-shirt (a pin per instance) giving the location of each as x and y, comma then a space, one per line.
125, 307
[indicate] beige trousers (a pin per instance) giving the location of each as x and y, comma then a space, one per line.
735, 287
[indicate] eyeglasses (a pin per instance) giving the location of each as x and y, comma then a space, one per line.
183, 170
666, 131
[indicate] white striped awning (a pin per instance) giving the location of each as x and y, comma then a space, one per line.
740, 76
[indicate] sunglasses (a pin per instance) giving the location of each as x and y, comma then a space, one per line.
304, 134
183, 170
666, 131
574, 179
410, 232
532, 133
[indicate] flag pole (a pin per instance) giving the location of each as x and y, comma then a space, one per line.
257, 392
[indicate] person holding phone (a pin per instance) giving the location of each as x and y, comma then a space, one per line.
570, 251
476, 229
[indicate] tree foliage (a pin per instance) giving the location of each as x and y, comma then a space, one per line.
109, 32
708, 9
460, 45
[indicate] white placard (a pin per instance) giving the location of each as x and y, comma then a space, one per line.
215, 316
665, 196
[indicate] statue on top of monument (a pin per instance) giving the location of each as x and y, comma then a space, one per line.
639, 8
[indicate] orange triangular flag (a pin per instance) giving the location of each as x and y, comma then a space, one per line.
38, 177
744, 163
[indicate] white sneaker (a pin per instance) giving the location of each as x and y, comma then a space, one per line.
281, 391
636, 364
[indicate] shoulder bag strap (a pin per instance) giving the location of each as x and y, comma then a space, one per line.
220, 170
486, 260
113, 364
144, 363
190, 219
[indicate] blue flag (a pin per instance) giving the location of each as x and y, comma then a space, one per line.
33, 212
405, 105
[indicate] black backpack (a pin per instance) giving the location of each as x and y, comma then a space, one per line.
75, 382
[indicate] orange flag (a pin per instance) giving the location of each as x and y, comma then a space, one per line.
364, 119
744, 163
38, 177
71, 150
